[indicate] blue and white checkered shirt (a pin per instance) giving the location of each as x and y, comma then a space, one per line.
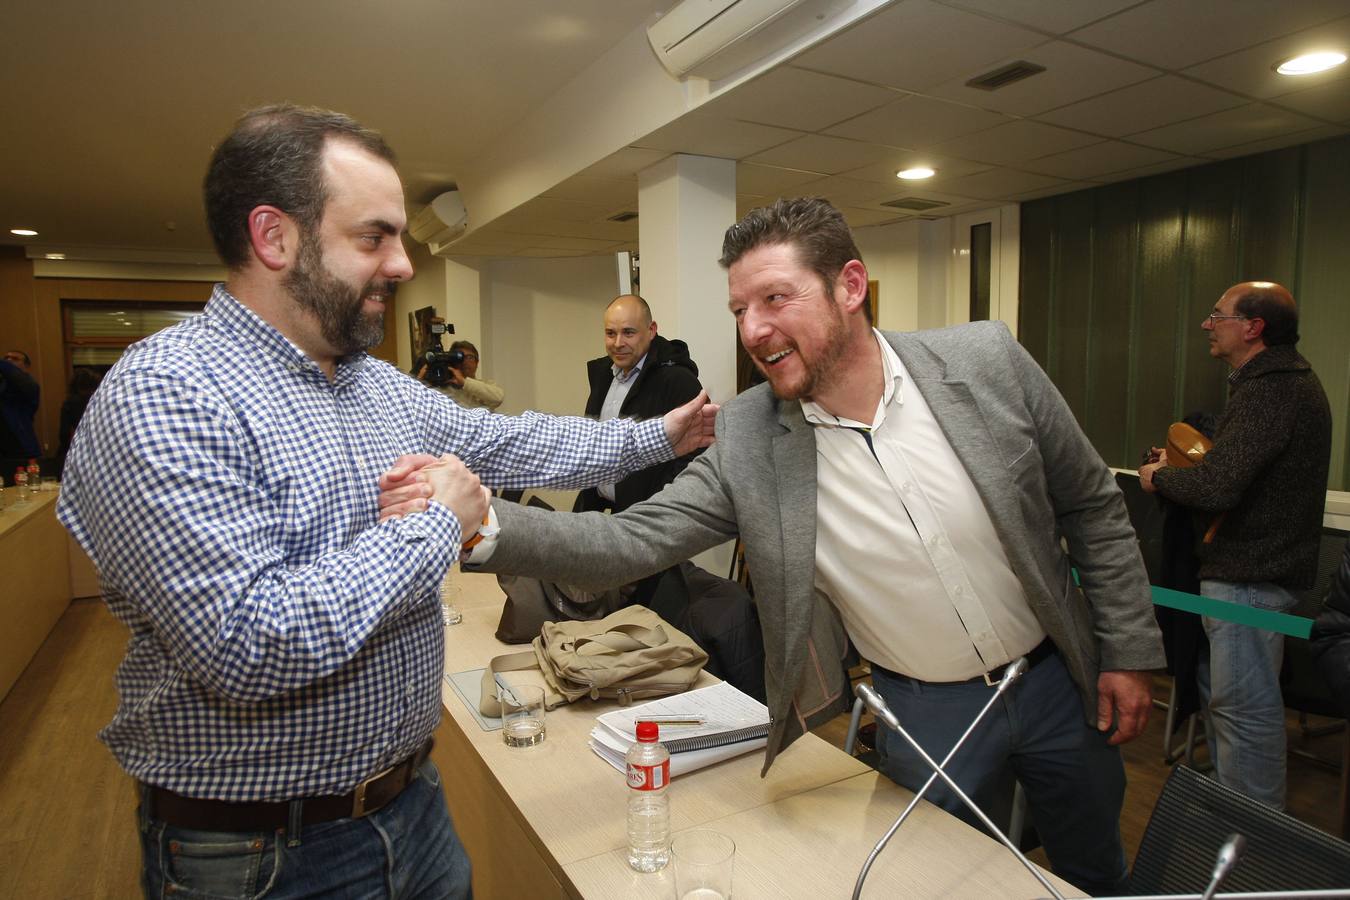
284, 644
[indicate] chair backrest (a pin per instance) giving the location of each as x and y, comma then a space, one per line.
1304, 688
1193, 818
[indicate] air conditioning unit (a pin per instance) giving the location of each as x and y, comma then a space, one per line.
440, 221
713, 38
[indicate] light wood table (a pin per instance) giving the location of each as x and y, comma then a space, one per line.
549, 821
34, 567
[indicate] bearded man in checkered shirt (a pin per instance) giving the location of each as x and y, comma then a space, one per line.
282, 680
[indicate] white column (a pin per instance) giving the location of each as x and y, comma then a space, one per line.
685, 205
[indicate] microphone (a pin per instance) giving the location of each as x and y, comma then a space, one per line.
1229, 855
874, 702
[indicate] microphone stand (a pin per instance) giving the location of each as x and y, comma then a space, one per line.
1010, 674
883, 714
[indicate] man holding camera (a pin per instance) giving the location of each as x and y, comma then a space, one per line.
455, 372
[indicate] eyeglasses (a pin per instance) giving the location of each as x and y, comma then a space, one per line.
1214, 317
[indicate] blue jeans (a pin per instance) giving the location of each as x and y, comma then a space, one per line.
407, 849
1240, 687
1074, 780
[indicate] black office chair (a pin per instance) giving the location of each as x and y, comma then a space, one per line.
1194, 817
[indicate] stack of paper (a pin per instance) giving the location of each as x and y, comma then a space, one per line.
731, 723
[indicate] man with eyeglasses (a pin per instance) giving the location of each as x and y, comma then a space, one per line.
1266, 475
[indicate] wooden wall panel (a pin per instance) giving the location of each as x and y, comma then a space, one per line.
1271, 204
1071, 318
1115, 282
1036, 280
1210, 254
1114, 248
1160, 319
1324, 294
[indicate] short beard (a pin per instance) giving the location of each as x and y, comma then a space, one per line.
819, 372
335, 304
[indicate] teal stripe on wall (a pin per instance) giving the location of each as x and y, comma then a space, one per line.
1115, 281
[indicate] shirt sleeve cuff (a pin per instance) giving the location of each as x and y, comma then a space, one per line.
649, 437
482, 551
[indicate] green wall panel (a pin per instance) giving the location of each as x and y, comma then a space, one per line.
1116, 280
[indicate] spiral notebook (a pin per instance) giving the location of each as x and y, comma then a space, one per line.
729, 716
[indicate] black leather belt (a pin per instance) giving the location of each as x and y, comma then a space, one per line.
1042, 651
221, 815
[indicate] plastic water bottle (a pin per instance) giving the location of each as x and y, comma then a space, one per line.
21, 483
648, 804
34, 476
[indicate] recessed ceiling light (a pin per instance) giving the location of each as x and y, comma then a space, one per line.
1309, 63
23, 232
918, 173
55, 255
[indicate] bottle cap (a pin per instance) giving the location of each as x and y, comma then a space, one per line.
647, 732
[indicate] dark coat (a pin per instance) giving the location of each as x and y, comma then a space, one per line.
1267, 472
1331, 635
669, 378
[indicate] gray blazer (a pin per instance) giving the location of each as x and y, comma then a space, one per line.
1034, 468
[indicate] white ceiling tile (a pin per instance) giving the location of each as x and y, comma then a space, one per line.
747, 202
845, 191
1243, 124
1252, 71
858, 217
945, 167
625, 163
796, 98
1291, 139
769, 180
1015, 142
1327, 101
555, 253
1141, 107
1056, 18
1171, 165
1099, 159
710, 136
917, 45
1071, 73
1174, 34
997, 183
1067, 187
591, 189
917, 123
821, 153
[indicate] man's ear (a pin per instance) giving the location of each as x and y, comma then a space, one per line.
852, 278
1256, 328
274, 237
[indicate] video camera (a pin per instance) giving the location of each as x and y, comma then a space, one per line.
438, 360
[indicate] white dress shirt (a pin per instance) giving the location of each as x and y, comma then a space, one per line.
905, 547
618, 392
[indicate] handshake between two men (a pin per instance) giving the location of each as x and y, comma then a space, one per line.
418, 478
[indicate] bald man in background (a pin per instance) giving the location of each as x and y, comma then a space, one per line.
642, 376
1267, 476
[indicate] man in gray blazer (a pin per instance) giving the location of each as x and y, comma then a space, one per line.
909, 492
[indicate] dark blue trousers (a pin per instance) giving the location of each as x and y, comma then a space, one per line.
1074, 781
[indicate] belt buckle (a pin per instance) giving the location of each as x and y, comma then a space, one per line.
359, 795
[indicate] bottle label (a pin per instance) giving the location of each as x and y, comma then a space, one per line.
649, 778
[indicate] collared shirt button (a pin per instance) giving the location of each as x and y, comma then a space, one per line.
904, 487
958, 590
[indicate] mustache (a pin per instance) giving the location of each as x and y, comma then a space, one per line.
388, 288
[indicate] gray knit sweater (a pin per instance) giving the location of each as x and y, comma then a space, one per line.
1267, 472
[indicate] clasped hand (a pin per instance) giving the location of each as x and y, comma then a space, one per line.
418, 478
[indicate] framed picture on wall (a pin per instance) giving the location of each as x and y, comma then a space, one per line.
419, 330
873, 292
